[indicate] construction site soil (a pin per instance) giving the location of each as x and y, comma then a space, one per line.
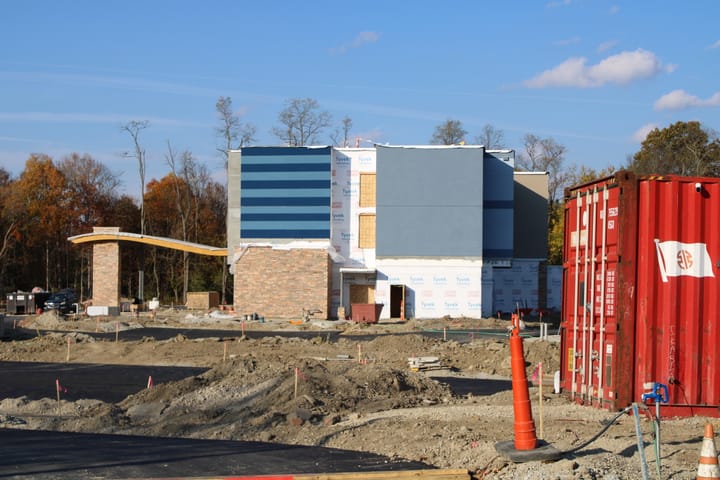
346, 386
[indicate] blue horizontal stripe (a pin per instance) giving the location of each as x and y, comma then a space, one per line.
290, 201
290, 193
285, 233
276, 217
286, 176
497, 253
286, 225
284, 160
285, 151
322, 209
286, 167
285, 184
498, 204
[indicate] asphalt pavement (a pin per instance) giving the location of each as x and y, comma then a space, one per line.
48, 455
109, 383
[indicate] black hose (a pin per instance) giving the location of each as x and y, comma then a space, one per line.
597, 435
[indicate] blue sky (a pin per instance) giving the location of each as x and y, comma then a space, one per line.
593, 75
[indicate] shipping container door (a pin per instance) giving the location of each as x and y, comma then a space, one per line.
589, 369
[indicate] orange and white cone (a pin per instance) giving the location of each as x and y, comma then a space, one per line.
708, 467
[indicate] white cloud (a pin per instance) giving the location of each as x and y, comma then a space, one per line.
715, 45
605, 46
361, 39
620, 69
567, 41
680, 99
614, 9
641, 133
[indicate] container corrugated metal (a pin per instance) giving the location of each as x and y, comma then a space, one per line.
641, 297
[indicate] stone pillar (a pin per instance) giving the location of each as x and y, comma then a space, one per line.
106, 270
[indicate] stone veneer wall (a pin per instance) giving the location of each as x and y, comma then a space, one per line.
106, 270
277, 283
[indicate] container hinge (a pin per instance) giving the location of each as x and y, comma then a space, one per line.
594, 355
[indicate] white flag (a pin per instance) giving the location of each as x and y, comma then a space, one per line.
677, 258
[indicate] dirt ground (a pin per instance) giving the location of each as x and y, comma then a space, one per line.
352, 392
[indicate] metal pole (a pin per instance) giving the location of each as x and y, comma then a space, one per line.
640, 443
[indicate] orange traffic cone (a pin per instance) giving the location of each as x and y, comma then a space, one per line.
525, 438
708, 465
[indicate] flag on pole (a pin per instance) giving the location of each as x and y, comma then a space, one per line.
59, 387
535, 374
677, 258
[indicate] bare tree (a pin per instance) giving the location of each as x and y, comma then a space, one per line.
231, 129
9, 219
449, 132
335, 136
544, 155
182, 203
301, 122
491, 137
134, 128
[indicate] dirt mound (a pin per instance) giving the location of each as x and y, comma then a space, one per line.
241, 400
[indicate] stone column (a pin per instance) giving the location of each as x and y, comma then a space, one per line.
106, 270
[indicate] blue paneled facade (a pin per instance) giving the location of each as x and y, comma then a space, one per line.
498, 204
285, 193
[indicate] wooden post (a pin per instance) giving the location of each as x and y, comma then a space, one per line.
224, 350
67, 358
57, 392
444, 334
296, 381
540, 394
117, 332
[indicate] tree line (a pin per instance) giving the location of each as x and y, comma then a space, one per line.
53, 199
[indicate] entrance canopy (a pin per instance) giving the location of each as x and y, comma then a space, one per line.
150, 240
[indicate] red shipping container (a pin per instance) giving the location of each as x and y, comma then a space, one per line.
641, 297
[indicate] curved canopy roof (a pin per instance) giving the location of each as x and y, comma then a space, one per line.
150, 240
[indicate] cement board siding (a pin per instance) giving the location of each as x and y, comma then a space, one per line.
285, 193
531, 215
498, 204
233, 207
429, 202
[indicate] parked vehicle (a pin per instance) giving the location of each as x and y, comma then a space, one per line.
63, 301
